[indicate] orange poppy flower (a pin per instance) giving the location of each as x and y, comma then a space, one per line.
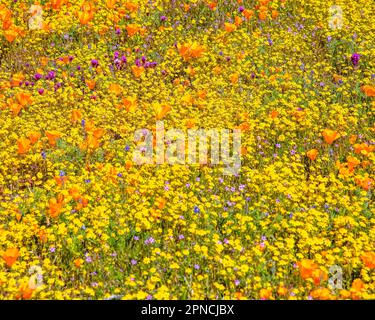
212, 5
111, 4
262, 15
244, 126
25, 292
196, 50
238, 295
42, 234
274, 14
319, 276
98, 133
74, 193
15, 108
23, 145
52, 137
358, 285
234, 78
274, 114
24, 98
138, 71
16, 79
161, 110
55, 206
312, 154
321, 294
128, 164
365, 183
10, 256
282, 291
330, 135
76, 115
160, 203
237, 21
78, 262
189, 123
82, 203
229, 27
90, 125
92, 142
34, 136
43, 61
363, 148
352, 139
56, 4
131, 6
190, 50
352, 163
368, 90
60, 180
202, 94
130, 104
10, 35
132, 29
91, 84
248, 13
265, 294
85, 17
115, 88
368, 259
306, 268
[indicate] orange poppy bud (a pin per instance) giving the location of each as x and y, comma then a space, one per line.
274, 114
78, 262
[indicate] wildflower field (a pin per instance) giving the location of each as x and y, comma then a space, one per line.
79, 219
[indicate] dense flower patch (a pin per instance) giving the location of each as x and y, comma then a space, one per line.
79, 219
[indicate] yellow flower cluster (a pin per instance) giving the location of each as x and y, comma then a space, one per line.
79, 219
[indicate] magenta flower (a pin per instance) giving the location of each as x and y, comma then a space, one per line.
94, 63
355, 59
